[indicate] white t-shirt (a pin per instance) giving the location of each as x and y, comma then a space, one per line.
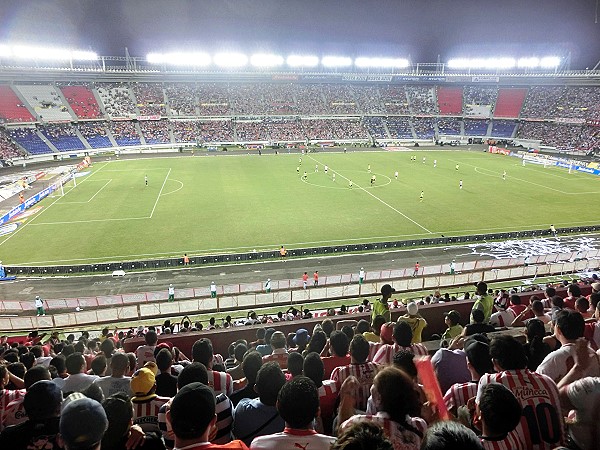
584, 394
558, 363
112, 385
78, 382
144, 354
293, 439
502, 318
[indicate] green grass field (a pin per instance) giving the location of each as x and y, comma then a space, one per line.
215, 204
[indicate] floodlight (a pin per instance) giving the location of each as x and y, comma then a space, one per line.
482, 63
550, 62
230, 59
266, 60
302, 61
5, 51
505, 63
336, 61
179, 59
529, 62
81, 55
381, 62
46, 53
458, 63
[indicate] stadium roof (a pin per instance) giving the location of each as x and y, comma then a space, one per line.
382, 28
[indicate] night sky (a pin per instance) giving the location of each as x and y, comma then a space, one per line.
421, 29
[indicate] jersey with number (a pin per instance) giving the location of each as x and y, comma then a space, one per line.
459, 394
385, 355
541, 426
145, 413
365, 373
510, 442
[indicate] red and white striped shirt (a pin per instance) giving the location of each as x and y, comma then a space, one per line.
385, 355
373, 349
279, 355
541, 426
459, 394
145, 413
220, 382
510, 442
402, 438
365, 373
7, 396
328, 394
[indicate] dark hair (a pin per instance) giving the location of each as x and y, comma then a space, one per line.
582, 304
348, 331
164, 359
36, 373
404, 360
478, 316
327, 326
94, 391
558, 301
402, 334
378, 321
28, 359
58, 362
79, 347
362, 326
359, 348
537, 306
313, 368
550, 292
450, 435
107, 347
339, 343
317, 342
251, 365
119, 362
595, 299
515, 299
192, 373
269, 381
37, 351
362, 435
151, 338
98, 364
298, 402
571, 323
68, 349
508, 353
119, 411
499, 408
74, 363
574, 289
239, 351
295, 363
202, 351
397, 394
260, 333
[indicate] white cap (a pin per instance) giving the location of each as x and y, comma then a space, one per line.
268, 279
362, 268
171, 285
412, 308
37, 296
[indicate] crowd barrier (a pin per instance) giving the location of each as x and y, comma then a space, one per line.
171, 263
287, 292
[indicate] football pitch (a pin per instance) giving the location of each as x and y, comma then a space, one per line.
237, 203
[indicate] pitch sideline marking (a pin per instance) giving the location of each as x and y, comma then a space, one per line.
92, 198
377, 198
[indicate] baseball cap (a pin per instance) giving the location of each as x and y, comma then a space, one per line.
453, 315
387, 332
42, 399
386, 289
301, 337
82, 423
142, 383
192, 410
502, 302
412, 308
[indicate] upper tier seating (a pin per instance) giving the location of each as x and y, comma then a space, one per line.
116, 99
95, 133
62, 136
369, 100
479, 101
29, 140
11, 107
45, 101
394, 99
213, 99
578, 102
82, 101
510, 102
150, 98
182, 98
450, 100
541, 101
422, 100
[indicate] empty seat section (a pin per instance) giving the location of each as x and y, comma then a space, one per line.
63, 137
45, 101
29, 140
82, 101
12, 108
510, 102
450, 100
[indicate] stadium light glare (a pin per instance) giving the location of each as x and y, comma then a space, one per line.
482, 63
529, 63
230, 59
398, 63
179, 59
47, 53
5, 51
266, 60
550, 62
302, 61
336, 61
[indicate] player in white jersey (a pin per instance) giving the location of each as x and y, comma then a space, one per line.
434, 163
460, 184
326, 168
541, 426
396, 174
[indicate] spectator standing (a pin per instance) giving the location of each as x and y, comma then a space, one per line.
304, 280
316, 278
327, 390
483, 301
402, 337
279, 354
146, 403
171, 293
213, 290
166, 384
117, 381
381, 306
497, 415
145, 353
415, 320
220, 382
39, 306
78, 380
338, 348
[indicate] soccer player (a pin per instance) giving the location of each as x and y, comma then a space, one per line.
298, 170
423, 160
333, 176
396, 174
316, 167
305, 280
434, 163
300, 161
350, 184
326, 168
504, 175
553, 230
372, 179
460, 184
305, 176
369, 168
146, 179
456, 167
416, 271
421, 196
316, 278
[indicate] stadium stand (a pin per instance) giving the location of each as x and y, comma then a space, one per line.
213, 99
561, 136
45, 101
12, 108
541, 101
422, 100
116, 99
29, 140
184, 131
150, 98
8, 148
155, 131
182, 99
510, 102
449, 126
125, 133
82, 101
394, 99
376, 127
215, 131
285, 130
503, 128
476, 127
399, 127
251, 131
423, 127
63, 137
479, 101
450, 100
95, 133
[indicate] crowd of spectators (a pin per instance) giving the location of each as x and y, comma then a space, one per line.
216, 131
394, 99
423, 127
63, 136
184, 131
376, 127
478, 98
541, 101
81, 100
322, 386
422, 100
155, 131
561, 136
8, 148
150, 98
334, 129
451, 126
182, 98
125, 132
249, 131
476, 127
399, 127
285, 129
213, 99
117, 99
28, 138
